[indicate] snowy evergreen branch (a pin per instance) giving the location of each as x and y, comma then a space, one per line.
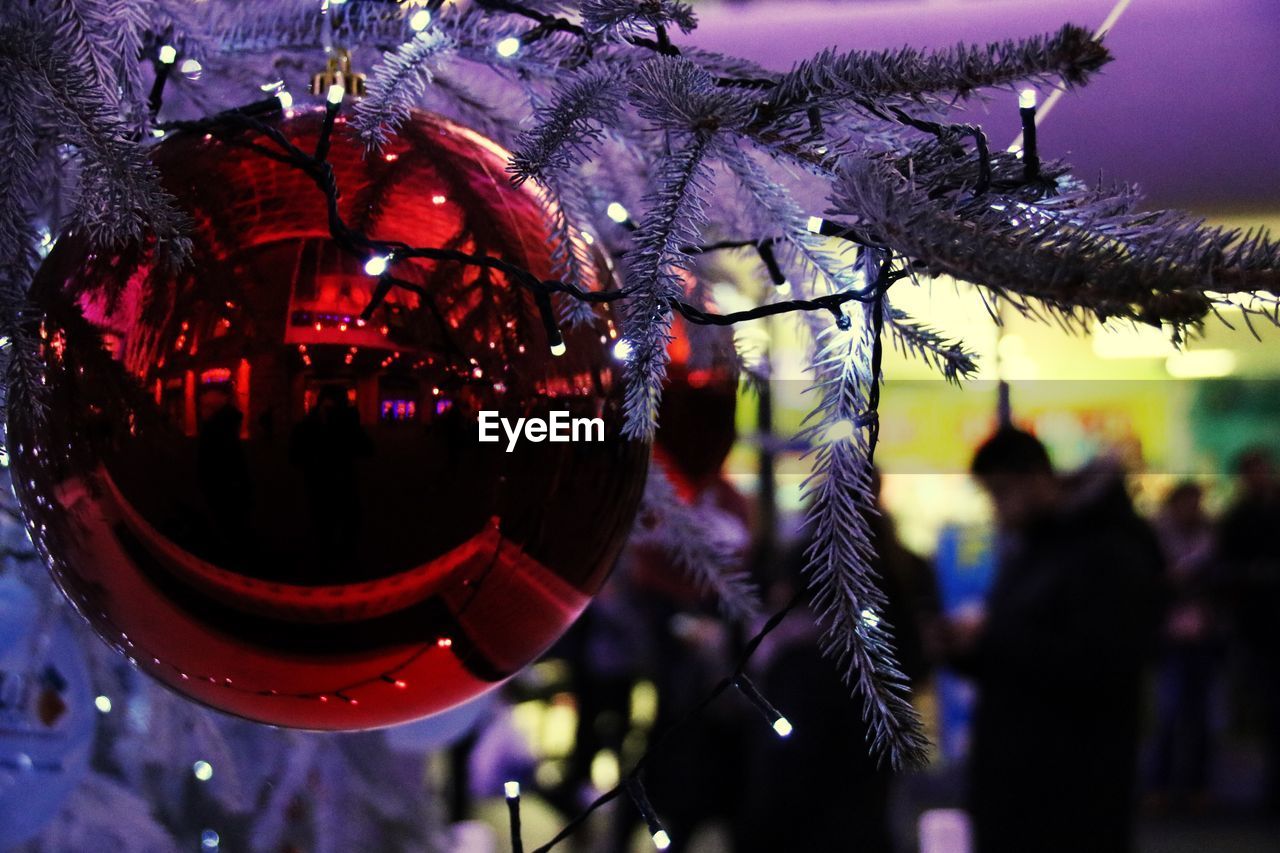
846, 598
693, 538
951, 358
105, 38
1070, 55
396, 86
1096, 255
626, 19
119, 197
675, 211
571, 124
571, 257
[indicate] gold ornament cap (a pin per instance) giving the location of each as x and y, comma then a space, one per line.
338, 71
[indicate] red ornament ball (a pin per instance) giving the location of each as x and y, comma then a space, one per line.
697, 418
286, 512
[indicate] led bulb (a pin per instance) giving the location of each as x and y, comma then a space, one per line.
511, 789
784, 289
1027, 99
869, 618
336, 93
168, 54
203, 770
376, 265
661, 840
285, 99
559, 349
814, 225
420, 20
622, 350
508, 47
191, 66
783, 727
103, 704
617, 212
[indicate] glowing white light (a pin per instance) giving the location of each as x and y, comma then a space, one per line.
783, 727
1027, 99
191, 66
420, 20
103, 704
285, 99
168, 54
559, 349
376, 265
157, 132
869, 618
784, 289
202, 770
508, 47
588, 238
814, 225
622, 350
210, 839
511, 789
336, 93
617, 212
438, 199
661, 840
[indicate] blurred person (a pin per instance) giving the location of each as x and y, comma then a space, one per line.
1190, 651
223, 468
1058, 655
822, 789
1249, 548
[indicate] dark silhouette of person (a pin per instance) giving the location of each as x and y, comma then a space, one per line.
224, 471
822, 788
1058, 656
326, 445
1249, 548
1191, 650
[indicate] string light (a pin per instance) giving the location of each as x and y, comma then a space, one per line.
335, 94
508, 47
377, 265
420, 20
191, 67
661, 839
869, 618
103, 704
210, 840
558, 349
285, 99
781, 725
1030, 156
617, 212
202, 770
167, 54
512, 791
622, 350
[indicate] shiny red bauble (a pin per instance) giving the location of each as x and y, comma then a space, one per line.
696, 421
284, 511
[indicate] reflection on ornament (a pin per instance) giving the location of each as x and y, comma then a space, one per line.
282, 510
696, 427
